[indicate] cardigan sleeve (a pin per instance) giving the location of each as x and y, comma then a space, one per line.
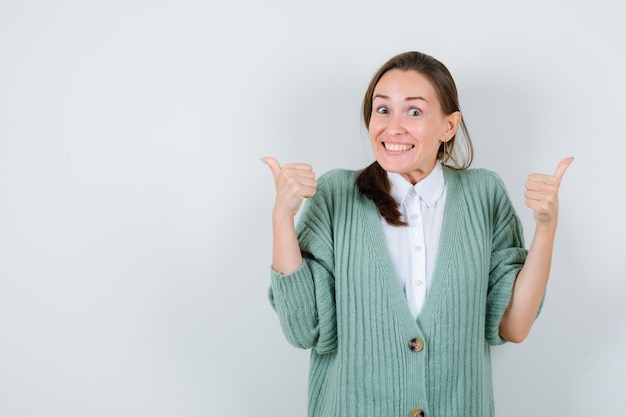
507, 259
305, 299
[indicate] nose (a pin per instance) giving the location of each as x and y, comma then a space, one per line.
396, 125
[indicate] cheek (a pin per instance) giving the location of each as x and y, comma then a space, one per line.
418, 128
374, 129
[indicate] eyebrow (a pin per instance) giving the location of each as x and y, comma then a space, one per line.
406, 99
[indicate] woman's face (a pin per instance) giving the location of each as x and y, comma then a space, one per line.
407, 124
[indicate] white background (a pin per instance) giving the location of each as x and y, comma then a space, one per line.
135, 212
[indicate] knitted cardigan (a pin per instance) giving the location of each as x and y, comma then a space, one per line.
346, 303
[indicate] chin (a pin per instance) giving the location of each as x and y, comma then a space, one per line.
390, 167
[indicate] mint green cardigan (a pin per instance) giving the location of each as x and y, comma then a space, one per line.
346, 303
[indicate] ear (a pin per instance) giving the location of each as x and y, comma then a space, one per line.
452, 123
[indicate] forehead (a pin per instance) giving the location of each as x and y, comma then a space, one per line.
408, 83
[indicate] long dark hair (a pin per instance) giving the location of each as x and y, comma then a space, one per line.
372, 181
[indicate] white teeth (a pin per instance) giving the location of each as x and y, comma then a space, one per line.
393, 147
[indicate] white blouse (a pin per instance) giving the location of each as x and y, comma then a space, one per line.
414, 248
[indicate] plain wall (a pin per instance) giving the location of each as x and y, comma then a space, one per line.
135, 235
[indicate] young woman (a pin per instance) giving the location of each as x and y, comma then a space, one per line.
399, 277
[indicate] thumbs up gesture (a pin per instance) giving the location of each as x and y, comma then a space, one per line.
542, 192
294, 182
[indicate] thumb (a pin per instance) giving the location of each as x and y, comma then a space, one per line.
562, 167
273, 164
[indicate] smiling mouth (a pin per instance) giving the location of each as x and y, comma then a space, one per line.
396, 147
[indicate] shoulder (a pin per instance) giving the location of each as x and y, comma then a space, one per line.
475, 179
479, 188
472, 174
336, 193
335, 188
339, 175
338, 180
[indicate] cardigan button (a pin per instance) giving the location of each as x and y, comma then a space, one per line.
416, 345
417, 412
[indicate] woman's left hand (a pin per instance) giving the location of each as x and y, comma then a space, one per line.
542, 194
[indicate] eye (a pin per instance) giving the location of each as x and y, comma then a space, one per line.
415, 112
382, 110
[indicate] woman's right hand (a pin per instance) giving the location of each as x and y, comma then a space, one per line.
294, 182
